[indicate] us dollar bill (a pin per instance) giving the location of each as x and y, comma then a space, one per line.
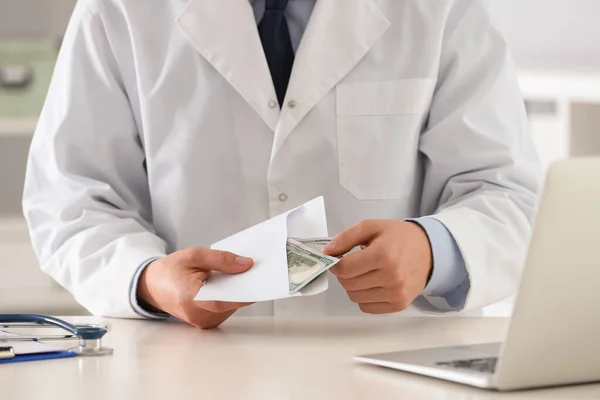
306, 262
314, 243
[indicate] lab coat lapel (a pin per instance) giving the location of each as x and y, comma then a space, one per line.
225, 33
339, 34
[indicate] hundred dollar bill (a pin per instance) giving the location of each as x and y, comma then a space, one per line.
317, 244
305, 264
314, 243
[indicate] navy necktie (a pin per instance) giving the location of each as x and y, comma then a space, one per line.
277, 45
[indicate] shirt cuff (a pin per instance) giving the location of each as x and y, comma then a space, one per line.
133, 293
449, 284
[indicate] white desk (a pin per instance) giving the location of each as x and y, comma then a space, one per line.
262, 358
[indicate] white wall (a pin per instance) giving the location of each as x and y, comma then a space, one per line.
34, 18
552, 34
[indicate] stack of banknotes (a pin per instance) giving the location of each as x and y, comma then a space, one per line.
306, 262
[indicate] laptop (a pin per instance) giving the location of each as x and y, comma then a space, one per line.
554, 333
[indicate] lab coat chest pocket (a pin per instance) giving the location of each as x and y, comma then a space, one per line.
378, 129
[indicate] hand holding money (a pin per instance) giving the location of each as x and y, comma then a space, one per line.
391, 270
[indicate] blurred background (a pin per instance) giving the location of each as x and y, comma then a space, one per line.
556, 44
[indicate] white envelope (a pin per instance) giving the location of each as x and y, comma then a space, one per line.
266, 244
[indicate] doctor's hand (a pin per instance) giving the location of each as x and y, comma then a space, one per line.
170, 284
390, 271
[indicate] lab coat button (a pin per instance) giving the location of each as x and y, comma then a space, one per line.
292, 104
283, 197
272, 104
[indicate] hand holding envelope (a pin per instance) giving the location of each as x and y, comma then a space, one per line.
283, 266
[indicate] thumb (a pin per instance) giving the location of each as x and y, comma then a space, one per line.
194, 282
223, 261
360, 234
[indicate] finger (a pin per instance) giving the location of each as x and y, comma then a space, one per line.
197, 281
220, 307
359, 234
207, 320
369, 280
216, 260
355, 264
381, 308
200, 277
374, 295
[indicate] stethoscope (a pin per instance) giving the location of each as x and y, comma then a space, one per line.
89, 335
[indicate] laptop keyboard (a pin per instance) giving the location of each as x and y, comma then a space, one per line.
487, 365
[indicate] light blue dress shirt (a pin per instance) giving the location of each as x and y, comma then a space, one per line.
449, 284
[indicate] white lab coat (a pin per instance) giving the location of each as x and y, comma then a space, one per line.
395, 109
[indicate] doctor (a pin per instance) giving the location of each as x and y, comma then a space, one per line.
173, 125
